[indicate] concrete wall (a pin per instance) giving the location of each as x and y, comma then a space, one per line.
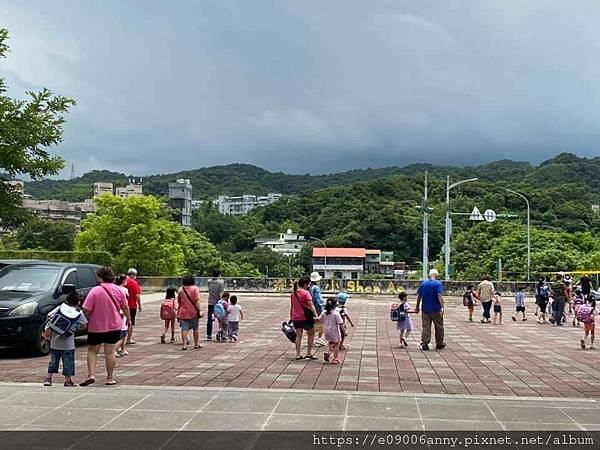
283, 285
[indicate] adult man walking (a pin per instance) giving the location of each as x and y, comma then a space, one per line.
486, 291
558, 291
431, 292
215, 286
134, 301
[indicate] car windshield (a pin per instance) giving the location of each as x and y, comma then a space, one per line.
28, 279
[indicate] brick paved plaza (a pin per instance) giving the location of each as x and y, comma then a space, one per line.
515, 359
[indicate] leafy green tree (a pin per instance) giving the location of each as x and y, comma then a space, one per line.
133, 231
201, 256
46, 234
27, 130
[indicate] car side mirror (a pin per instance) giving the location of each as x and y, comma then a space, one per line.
66, 289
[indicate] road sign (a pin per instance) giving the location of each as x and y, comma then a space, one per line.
476, 215
490, 215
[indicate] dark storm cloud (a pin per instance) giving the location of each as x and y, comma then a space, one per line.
312, 85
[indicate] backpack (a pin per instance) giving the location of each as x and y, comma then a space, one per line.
65, 320
167, 309
397, 313
585, 314
289, 331
219, 311
468, 299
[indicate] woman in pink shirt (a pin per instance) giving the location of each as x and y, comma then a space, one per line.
102, 307
188, 310
303, 315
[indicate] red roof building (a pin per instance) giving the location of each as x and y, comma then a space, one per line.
340, 263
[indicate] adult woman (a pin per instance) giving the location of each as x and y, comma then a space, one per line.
303, 314
188, 310
103, 306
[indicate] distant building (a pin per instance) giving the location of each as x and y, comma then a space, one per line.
16, 185
243, 204
133, 189
58, 210
596, 209
102, 188
340, 263
197, 204
386, 266
372, 261
288, 243
180, 199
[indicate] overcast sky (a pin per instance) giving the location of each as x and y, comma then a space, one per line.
311, 86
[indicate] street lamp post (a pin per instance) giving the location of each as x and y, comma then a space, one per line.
426, 210
325, 255
528, 232
448, 233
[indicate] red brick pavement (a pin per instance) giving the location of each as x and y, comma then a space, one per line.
514, 359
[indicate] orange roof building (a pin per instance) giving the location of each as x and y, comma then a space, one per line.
339, 263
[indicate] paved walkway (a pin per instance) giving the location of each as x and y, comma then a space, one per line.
33, 407
515, 359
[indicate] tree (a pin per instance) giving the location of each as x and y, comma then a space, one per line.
133, 231
201, 256
27, 130
46, 234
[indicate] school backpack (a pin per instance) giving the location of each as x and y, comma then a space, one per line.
167, 309
219, 310
289, 331
397, 313
65, 320
468, 299
585, 314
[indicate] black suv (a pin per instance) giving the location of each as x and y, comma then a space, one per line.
28, 292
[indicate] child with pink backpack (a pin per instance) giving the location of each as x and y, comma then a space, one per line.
586, 314
168, 313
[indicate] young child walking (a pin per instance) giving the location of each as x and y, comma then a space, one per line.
404, 323
332, 323
498, 309
234, 316
519, 304
587, 315
342, 300
578, 301
168, 313
121, 281
220, 313
469, 298
62, 347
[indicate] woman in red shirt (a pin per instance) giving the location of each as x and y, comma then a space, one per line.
188, 310
303, 315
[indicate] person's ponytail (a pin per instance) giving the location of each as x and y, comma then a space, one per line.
295, 287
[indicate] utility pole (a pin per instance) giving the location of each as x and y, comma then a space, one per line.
425, 230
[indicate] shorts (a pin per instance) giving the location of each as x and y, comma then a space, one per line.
133, 313
497, 309
589, 326
543, 304
108, 337
123, 334
189, 324
68, 360
303, 324
520, 309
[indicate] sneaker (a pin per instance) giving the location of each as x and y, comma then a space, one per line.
404, 342
69, 384
592, 347
162, 339
424, 347
209, 338
172, 341
326, 356
47, 381
524, 320
514, 319
125, 353
218, 336
235, 338
440, 346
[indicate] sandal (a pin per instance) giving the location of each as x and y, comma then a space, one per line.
183, 348
197, 346
111, 383
87, 382
311, 357
298, 358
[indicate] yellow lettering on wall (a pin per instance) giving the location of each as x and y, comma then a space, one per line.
351, 286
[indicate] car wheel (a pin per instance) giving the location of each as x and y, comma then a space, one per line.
42, 345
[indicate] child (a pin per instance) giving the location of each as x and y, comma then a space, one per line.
498, 309
121, 281
63, 346
578, 300
469, 298
542, 298
234, 315
220, 313
170, 305
332, 323
342, 299
519, 304
589, 321
404, 324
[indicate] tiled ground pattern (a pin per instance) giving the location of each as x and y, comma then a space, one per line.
103, 408
514, 359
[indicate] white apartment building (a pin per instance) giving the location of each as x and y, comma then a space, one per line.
242, 205
288, 244
133, 189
